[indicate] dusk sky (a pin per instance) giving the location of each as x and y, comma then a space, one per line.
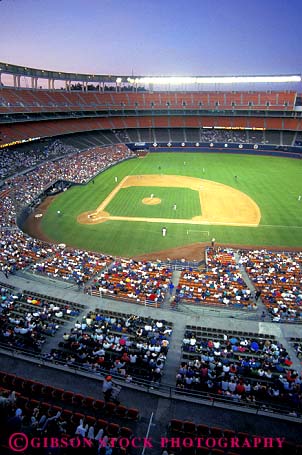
159, 37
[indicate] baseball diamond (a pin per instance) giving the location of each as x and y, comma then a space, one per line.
248, 211
151, 228
221, 204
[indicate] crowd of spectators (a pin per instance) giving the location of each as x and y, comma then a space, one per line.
7, 212
278, 278
122, 345
137, 281
220, 283
26, 320
77, 168
17, 250
215, 135
242, 368
13, 161
72, 265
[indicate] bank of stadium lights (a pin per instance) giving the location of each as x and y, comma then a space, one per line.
213, 80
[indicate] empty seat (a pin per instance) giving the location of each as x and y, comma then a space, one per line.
189, 427
216, 432
77, 399
88, 402
227, 433
102, 424
98, 405
133, 414
57, 394
47, 392
241, 435
202, 429
110, 408
121, 411
176, 426
113, 430
126, 432
67, 397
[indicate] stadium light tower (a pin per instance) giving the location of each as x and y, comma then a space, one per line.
175, 80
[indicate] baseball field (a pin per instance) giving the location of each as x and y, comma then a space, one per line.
237, 199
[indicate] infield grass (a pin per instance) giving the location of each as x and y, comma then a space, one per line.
272, 182
129, 202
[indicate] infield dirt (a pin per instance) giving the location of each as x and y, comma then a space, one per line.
220, 204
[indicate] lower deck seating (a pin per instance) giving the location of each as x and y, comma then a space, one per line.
220, 283
143, 282
27, 319
127, 346
187, 437
240, 367
277, 276
48, 411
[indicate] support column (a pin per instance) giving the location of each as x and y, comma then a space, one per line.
51, 84
34, 82
18, 81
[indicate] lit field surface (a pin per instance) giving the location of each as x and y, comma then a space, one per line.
272, 183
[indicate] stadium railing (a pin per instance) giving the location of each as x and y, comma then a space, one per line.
162, 389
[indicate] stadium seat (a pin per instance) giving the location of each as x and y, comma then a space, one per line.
176, 426
101, 423
189, 427
98, 405
110, 408
202, 429
126, 432
227, 433
113, 430
121, 411
216, 432
132, 414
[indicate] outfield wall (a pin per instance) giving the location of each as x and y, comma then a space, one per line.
288, 152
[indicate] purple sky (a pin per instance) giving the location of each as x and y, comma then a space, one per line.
159, 37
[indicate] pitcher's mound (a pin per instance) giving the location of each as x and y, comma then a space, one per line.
151, 200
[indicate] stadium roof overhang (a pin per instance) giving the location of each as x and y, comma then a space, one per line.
16, 70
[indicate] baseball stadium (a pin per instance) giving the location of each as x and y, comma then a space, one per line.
151, 262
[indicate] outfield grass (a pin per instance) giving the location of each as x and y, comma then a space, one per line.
273, 183
128, 202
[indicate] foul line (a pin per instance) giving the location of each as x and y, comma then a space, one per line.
279, 226
176, 221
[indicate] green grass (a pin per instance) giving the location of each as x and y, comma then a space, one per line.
128, 202
273, 183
